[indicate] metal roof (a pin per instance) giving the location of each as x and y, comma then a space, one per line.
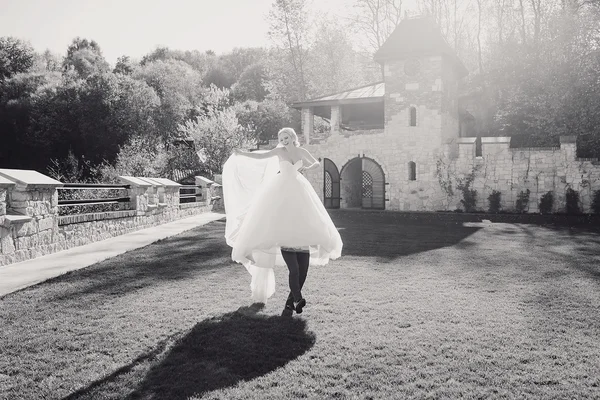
363, 94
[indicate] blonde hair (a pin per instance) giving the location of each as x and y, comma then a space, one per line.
290, 132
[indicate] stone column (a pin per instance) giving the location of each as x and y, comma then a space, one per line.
30, 220
167, 192
204, 185
5, 186
216, 193
308, 121
6, 242
494, 146
336, 119
466, 149
138, 193
568, 147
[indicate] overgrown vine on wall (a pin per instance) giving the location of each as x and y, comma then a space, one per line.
469, 200
449, 180
443, 173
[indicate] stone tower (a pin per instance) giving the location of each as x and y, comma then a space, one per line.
421, 75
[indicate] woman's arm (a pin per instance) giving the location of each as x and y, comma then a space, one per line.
257, 156
308, 159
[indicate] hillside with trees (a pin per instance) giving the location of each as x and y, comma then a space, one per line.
534, 75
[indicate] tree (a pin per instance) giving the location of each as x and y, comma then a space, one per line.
84, 58
19, 96
200, 61
91, 118
239, 59
216, 132
179, 88
289, 32
15, 56
265, 119
47, 61
123, 66
139, 156
334, 63
251, 84
376, 20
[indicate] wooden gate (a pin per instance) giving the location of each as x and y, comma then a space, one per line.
331, 184
373, 185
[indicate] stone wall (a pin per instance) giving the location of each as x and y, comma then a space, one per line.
30, 225
514, 170
441, 170
390, 151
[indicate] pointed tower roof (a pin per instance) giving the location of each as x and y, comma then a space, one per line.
418, 36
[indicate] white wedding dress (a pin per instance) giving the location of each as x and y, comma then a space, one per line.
270, 205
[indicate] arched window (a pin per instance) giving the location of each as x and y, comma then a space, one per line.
412, 171
413, 116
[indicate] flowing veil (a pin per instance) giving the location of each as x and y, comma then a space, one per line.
242, 178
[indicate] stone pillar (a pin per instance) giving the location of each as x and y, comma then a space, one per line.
336, 119
466, 149
568, 147
138, 193
6, 241
167, 192
30, 220
216, 199
152, 192
494, 146
205, 186
308, 121
5, 186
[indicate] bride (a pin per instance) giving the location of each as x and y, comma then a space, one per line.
275, 217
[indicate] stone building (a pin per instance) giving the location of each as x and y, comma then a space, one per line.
399, 145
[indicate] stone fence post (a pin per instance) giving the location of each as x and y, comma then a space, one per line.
205, 185
467, 149
495, 146
166, 194
139, 199
29, 215
568, 147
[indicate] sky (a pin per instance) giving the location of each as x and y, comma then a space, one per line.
136, 27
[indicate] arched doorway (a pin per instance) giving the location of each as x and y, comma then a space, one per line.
363, 184
331, 184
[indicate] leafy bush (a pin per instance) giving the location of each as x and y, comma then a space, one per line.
546, 203
522, 204
494, 201
469, 200
573, 202
596, 202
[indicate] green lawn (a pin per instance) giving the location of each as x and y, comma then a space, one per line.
419, 306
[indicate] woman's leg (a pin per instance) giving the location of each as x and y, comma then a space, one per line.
292, 263
303, 262
303, 259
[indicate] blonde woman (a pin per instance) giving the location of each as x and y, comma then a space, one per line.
275, 217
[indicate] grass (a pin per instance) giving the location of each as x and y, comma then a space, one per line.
419, 306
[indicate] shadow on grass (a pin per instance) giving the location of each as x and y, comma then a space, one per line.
389, 235
175, 258
217, 353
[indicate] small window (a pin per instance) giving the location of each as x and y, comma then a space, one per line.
413, 116
412, 171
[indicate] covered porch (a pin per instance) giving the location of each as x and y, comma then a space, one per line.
353, 110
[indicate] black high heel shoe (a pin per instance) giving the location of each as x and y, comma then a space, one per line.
288, 310
298, 306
